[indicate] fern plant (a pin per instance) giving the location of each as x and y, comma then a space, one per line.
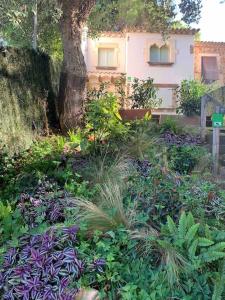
190, 248
187, 237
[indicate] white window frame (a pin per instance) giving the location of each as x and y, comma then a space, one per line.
113, 47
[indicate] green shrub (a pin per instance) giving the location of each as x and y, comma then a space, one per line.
103, 118
169, 124
97, 93
189, 96
12, 226
155, 193
144, 94
184, 159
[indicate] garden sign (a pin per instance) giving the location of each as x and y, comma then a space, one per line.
217, 120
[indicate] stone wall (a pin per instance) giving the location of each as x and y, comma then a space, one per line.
216, 49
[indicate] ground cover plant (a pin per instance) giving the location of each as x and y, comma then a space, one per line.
117, 207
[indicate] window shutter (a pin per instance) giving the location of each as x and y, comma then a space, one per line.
210, 71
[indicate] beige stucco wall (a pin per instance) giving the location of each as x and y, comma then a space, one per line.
138, 57
133, 58
166, 77
92, 53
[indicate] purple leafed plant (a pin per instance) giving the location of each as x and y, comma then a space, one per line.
98, 265
143, 167
171, 138
42, 268
46, 204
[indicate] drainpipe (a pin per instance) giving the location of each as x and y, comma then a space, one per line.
126, 62
84, 43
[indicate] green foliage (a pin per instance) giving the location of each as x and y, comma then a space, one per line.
184, 159
156, 193
157, 16
169, 124
100, 169
120, 85
108, 213
97, 93
144, 94
139, 143
12, 226
103, 118
130, 208
28, 97
16, 19
189, 96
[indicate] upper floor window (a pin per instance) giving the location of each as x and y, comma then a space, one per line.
159, 55
210, 70
164, 54
107, 57
154, 54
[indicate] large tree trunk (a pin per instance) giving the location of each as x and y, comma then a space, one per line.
74, 74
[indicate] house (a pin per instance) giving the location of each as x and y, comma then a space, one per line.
142, 54
210, 62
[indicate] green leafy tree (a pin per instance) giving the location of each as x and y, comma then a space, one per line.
31, 23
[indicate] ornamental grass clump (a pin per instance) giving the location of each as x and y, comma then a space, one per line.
44, 267
108, 213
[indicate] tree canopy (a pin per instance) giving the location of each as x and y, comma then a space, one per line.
16, 24
16, 18
157, 15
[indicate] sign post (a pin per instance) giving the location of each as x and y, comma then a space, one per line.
217, 122
203, 117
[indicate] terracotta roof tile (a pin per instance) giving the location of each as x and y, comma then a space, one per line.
209, 43
184, 31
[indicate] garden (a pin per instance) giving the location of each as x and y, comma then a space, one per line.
128, 209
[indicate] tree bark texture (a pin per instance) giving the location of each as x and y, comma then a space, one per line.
35, 26
73, 76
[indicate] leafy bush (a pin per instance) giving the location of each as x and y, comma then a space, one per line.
12, 225
97, 93
176, 262
154, 192
189, 96
7, 166
190, 250
184, 159
144, 94
171, 125
204, 199
103, 118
